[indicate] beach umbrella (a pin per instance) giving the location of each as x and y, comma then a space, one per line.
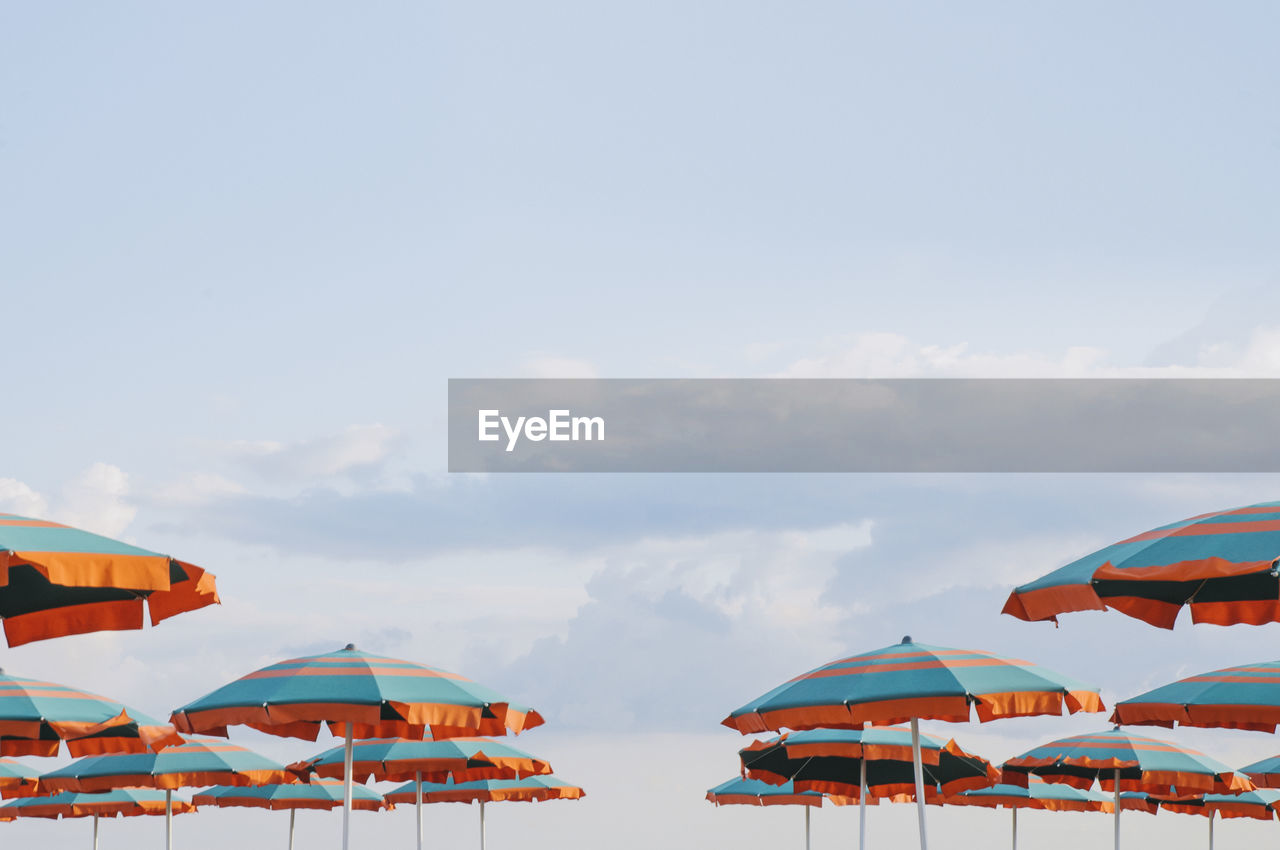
1259, 804
1120, 761
36, 717
56, 580
1046, 796
195, 763
530, 789
398, 760
753, 792
863, 763
123, 802
316, 794
1246, 697
909, 681
1264, 773
1224, 566
357, 695
17, 779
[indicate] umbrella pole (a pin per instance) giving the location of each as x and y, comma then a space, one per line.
348, 755
1117, 782
292, 814
919, 769
417, 799
806, 827
95, 831
168, 819
482, 825
1211, 813
862, 804
1015, 828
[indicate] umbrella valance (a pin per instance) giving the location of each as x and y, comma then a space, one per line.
56, 580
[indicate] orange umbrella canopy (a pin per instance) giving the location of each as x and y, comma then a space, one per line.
17, 780
197, 762
399, 760
125, 802
36, 717
316, 794
56, 580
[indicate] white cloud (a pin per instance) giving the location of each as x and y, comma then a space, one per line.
96, 500
18, 498
357, 448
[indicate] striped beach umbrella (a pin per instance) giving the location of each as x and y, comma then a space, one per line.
1222, 565
357, 695
17, 779
398, 760
123, 802
1246, 697
316, 794
1119, 761
865, 763
753, 792
37, 716
56, 580
1045, 796
531, 789
1264, 773
194, 763
1259, 804
909, 681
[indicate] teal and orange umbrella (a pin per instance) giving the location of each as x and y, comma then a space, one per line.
17, 779
123, 802
193, 763
908, 682
357, 695
531, 789
1120, 761
753, 792
1245, 697
56, 580
1038, 794
315, 794
1265, 773
398, 760
1224, 566
36, 717
862, 764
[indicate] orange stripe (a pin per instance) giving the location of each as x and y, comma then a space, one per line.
277, 673
915, 665
1209, 529
118, 615
31, 523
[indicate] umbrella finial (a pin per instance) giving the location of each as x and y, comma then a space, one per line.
351, 647
907, 639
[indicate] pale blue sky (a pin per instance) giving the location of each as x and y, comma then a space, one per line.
244, 246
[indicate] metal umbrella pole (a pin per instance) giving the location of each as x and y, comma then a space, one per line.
482, 825
862, 803
806, 828
1117, 782
292, 814
919, 770
168, 819
348, 756
1211, 814
95, 831
1015, 828
417, 801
